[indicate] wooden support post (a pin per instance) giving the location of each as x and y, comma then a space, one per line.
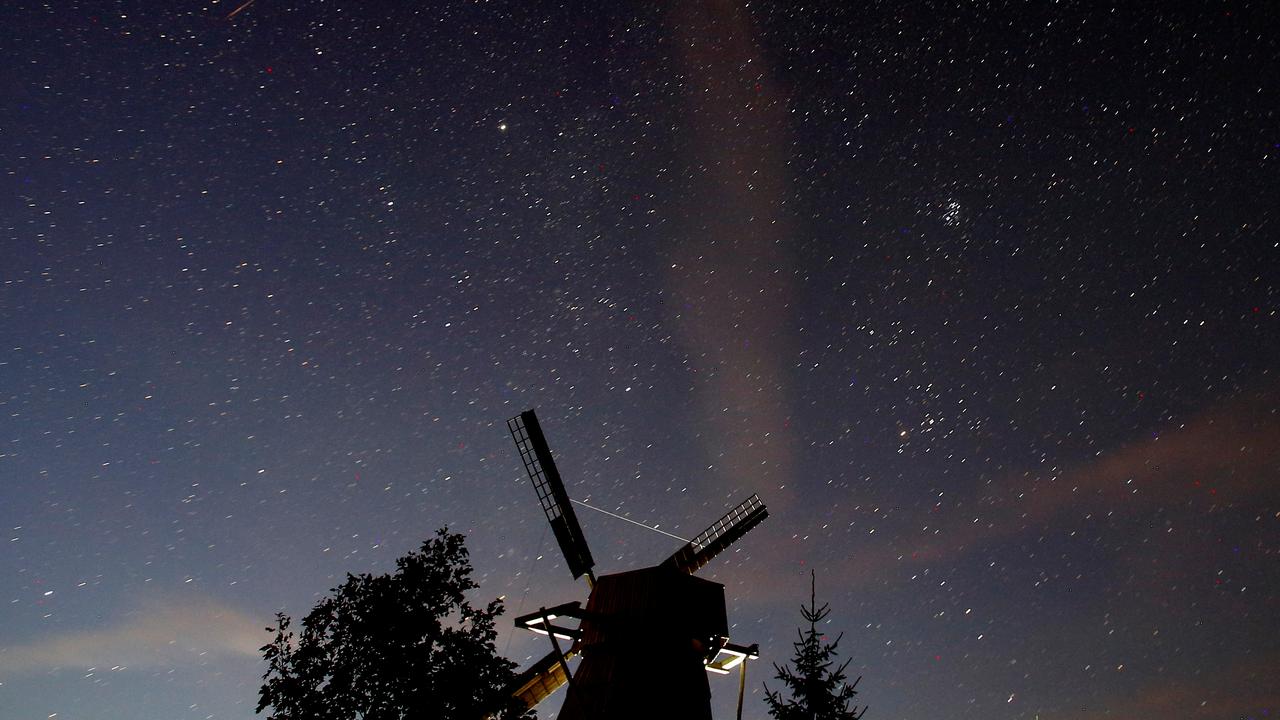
564, 664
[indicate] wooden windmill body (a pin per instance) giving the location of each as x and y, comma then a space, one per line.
647, 637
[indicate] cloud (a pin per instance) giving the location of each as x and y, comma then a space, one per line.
728, 275
1242, 691
1225, 457
181, 631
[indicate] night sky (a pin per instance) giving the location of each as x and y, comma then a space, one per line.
984, 302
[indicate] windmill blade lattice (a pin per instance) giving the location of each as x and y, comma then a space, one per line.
722, 533
536, 456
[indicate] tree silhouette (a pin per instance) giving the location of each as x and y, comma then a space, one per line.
817, 692
389, 647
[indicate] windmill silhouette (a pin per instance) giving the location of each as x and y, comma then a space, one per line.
647, 637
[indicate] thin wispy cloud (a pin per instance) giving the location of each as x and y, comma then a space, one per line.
1240, 691
1227, 455
181, 631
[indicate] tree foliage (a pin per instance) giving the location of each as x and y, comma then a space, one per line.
816, 690
392, 647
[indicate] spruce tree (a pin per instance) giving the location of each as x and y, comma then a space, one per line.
816, 691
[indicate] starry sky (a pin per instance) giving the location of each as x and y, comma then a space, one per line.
983, 301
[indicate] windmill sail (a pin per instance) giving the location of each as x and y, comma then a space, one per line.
536, 456
722, 533
541, 679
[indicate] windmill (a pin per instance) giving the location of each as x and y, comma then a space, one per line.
647, 637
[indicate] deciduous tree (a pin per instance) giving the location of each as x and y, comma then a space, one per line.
393, 647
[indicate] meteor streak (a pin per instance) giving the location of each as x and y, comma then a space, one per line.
240, 9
